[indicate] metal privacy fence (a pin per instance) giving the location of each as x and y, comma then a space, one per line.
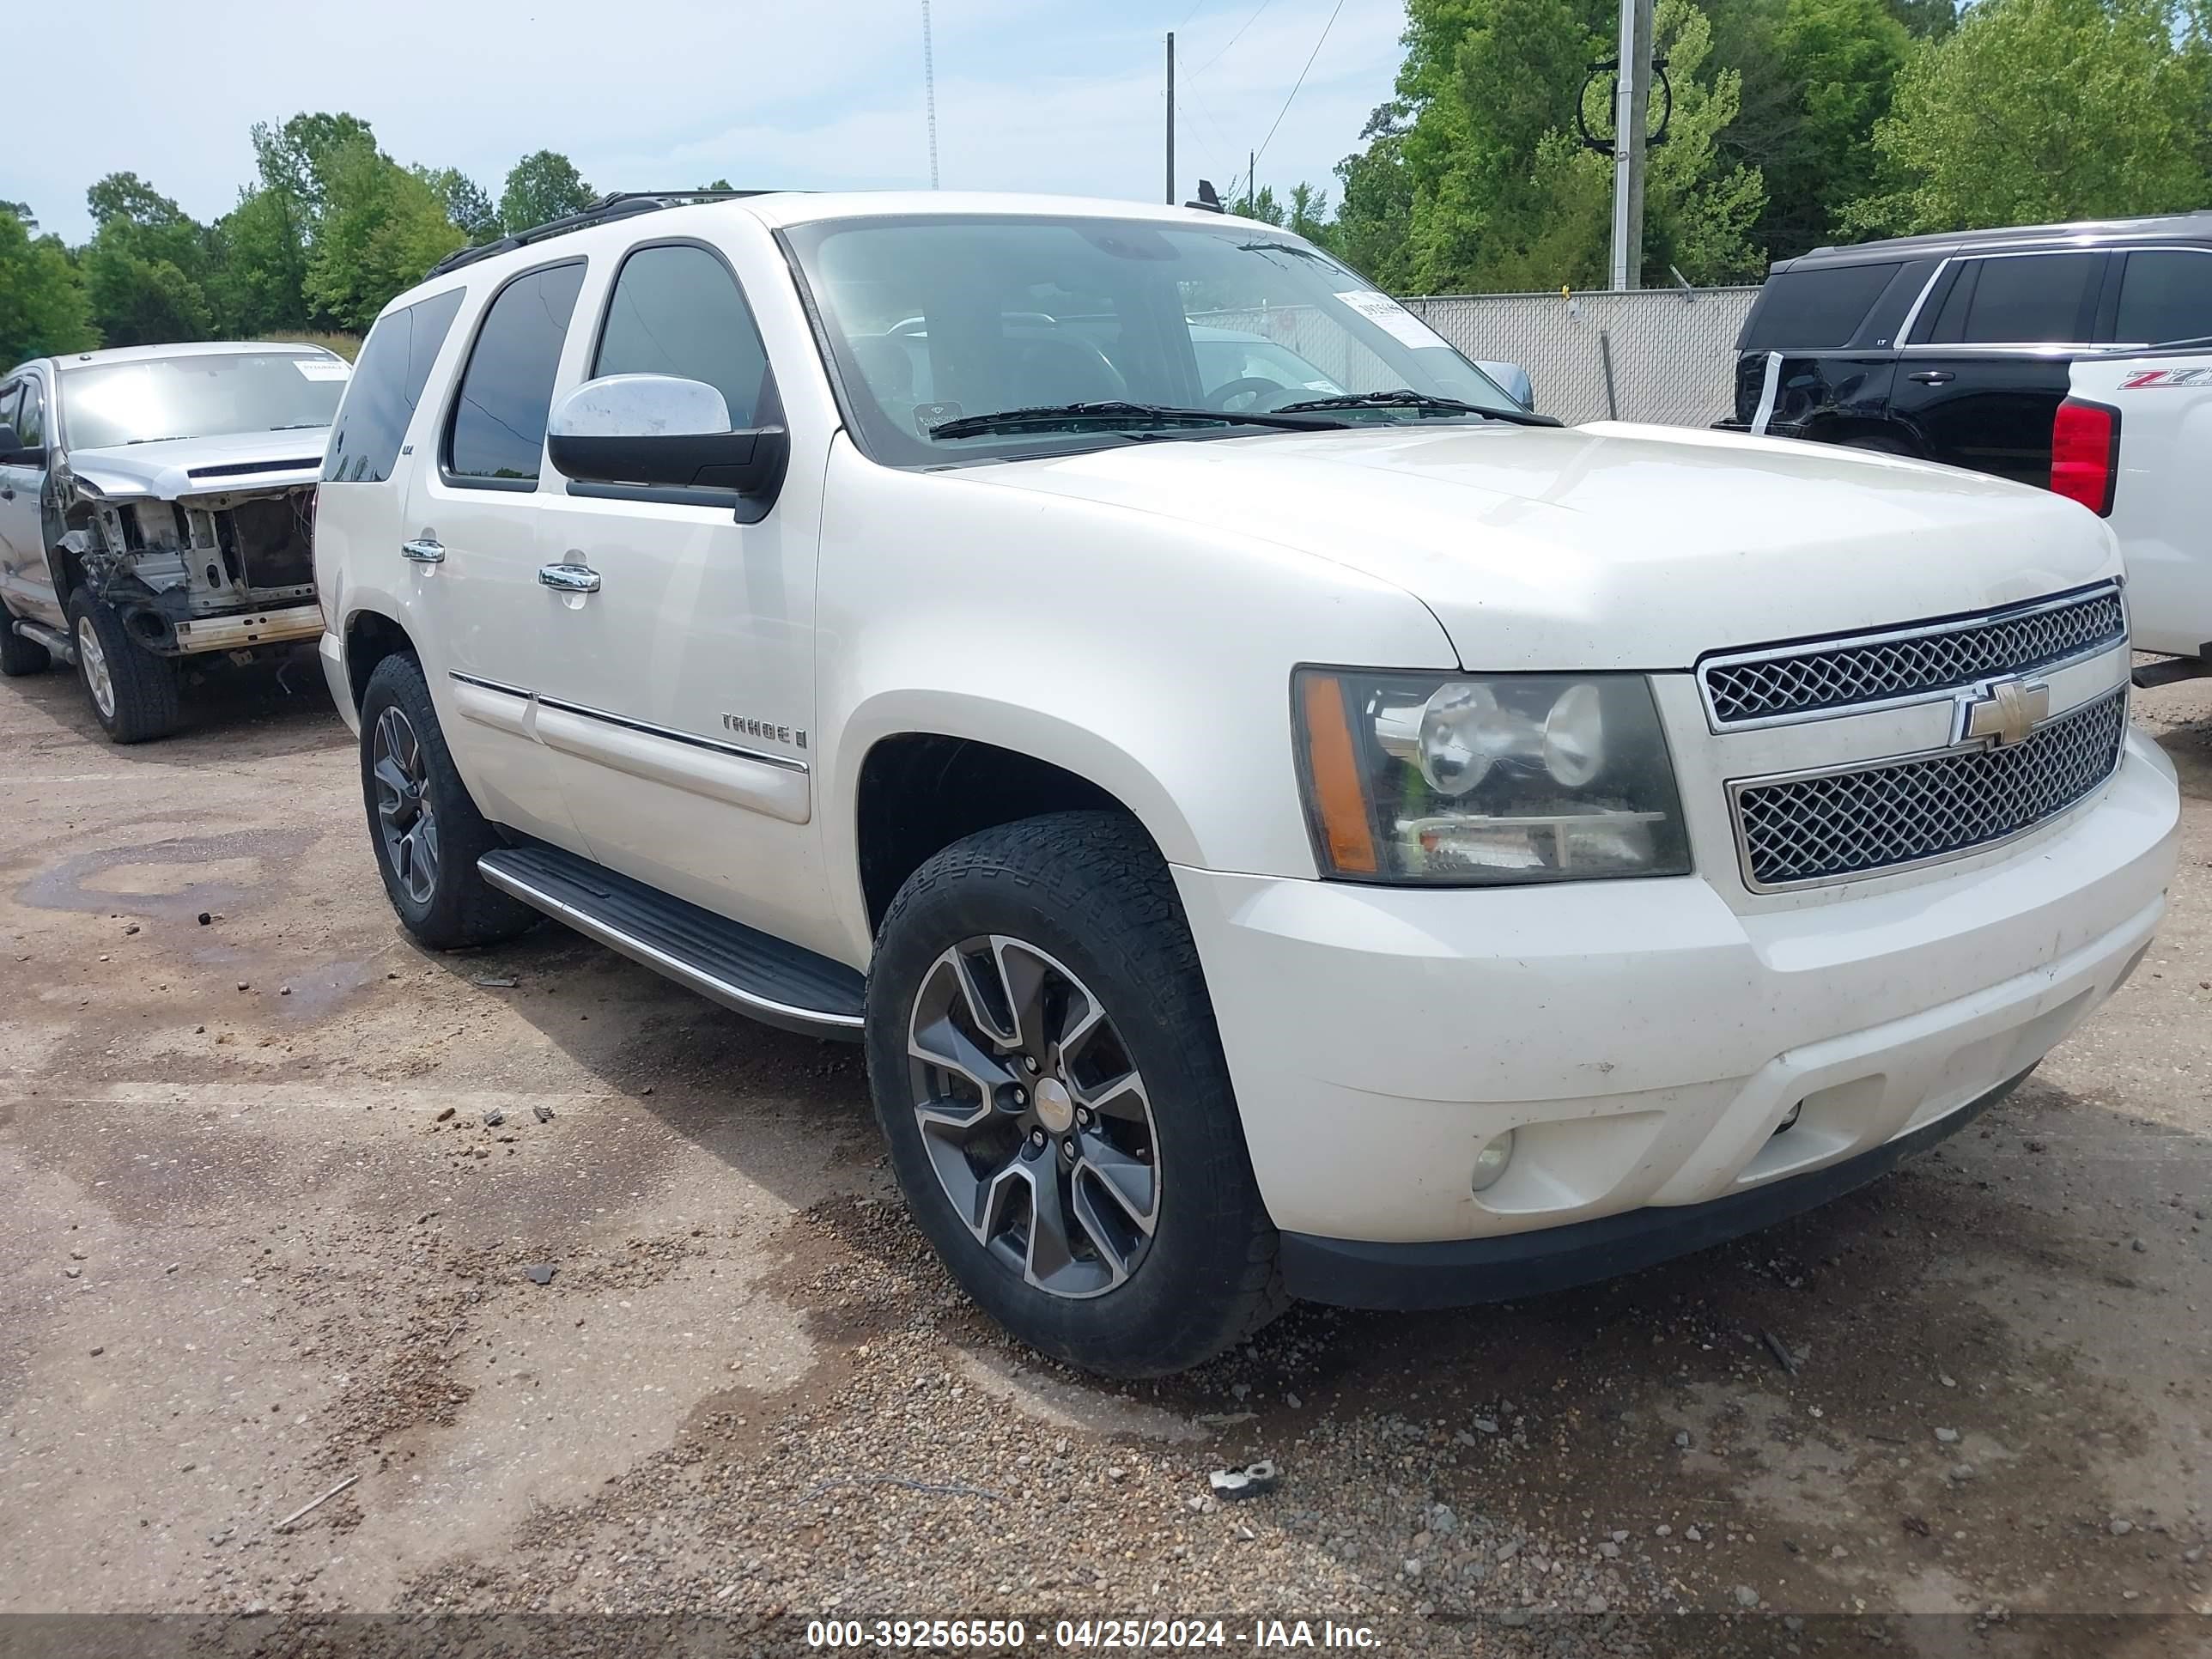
1662, 355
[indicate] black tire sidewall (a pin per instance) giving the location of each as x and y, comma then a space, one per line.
20, 656
1193, 1293
462, 910
148, 703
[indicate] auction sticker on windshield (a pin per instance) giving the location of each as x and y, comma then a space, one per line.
1387, 314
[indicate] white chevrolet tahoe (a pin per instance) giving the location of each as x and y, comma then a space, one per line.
1373, 845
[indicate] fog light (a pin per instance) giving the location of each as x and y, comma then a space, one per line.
1490, 1162
1789, 1118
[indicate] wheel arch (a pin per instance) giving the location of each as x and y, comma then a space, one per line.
914, 786
1842, 428
370, 636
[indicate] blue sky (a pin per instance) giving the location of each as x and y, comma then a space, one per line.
1031, 94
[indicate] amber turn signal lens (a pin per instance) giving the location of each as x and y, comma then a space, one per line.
1339, 801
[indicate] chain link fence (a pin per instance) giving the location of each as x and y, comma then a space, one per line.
1661, 355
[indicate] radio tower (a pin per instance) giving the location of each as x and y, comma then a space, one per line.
929, 90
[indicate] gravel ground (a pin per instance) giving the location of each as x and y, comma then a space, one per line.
279, 1179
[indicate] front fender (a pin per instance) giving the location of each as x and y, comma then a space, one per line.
1148, 654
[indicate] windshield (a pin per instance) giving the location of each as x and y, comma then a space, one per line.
934, 319
204, 395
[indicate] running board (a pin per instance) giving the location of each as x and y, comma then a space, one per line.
57, 644
740, 967
2173, 671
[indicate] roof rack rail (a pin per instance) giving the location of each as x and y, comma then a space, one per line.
616, 205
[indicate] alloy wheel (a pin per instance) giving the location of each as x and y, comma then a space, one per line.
1034, 1115
407, 821
97, 678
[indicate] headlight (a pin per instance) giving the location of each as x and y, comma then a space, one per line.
1456, 778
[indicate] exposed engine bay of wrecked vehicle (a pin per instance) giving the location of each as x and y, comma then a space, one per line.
186, 493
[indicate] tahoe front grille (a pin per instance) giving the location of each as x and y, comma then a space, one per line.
1796, 681
1827, 826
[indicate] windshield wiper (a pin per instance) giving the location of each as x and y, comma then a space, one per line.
171, 438
1406, 398
1119, 412
299, 426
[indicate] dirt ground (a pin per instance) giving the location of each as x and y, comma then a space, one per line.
262, 1234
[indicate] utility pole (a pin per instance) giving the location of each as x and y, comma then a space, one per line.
1631, 109
1172, 189
929, 90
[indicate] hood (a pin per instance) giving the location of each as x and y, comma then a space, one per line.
204, 466
1610, 545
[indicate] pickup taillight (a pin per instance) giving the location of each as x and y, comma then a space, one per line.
2085, 453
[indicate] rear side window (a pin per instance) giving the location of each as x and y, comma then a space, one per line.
498, 432
2035, 298
2165, 293
387, 384
1805, 310
30, 422
676, 310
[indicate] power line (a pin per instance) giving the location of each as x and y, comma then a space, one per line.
1233, 39
1295, 85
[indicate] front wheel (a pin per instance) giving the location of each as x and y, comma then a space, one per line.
135, 694
426, 829
1046, 1068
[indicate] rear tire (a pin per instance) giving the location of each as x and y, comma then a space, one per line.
1080, 1167
20, 656
426, 831
135, 694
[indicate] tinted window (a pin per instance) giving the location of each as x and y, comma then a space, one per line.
9, 396
2166, 295
676, 310
2032, 299
387, 384
1805, 309
30, 417
499, 420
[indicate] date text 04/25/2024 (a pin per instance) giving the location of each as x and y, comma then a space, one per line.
1090, 1634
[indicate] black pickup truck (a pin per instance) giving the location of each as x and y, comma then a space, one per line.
1954, 348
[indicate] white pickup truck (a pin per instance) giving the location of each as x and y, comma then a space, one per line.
2131, 442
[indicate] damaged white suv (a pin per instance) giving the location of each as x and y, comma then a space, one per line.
156, 504
1374, 845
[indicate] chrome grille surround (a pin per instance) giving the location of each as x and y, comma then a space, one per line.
1770, 685
1801, 829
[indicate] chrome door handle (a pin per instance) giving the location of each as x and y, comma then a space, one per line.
424, 550
569, 578
1932, 376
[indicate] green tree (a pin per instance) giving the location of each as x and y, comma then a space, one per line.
149, 266
1263, 206
1473, 179
2034, 110
22, 211
467, 204
1840, 60
43, 307
544, 185
1375, 202
1309, 212
380, 229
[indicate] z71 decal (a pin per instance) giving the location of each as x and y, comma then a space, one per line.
2153, 379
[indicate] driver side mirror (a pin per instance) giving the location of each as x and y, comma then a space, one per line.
12, 451
664, 430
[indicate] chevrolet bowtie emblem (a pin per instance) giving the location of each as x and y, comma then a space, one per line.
2003, 713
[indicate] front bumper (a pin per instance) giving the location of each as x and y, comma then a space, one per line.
1642, 1039
244, 631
